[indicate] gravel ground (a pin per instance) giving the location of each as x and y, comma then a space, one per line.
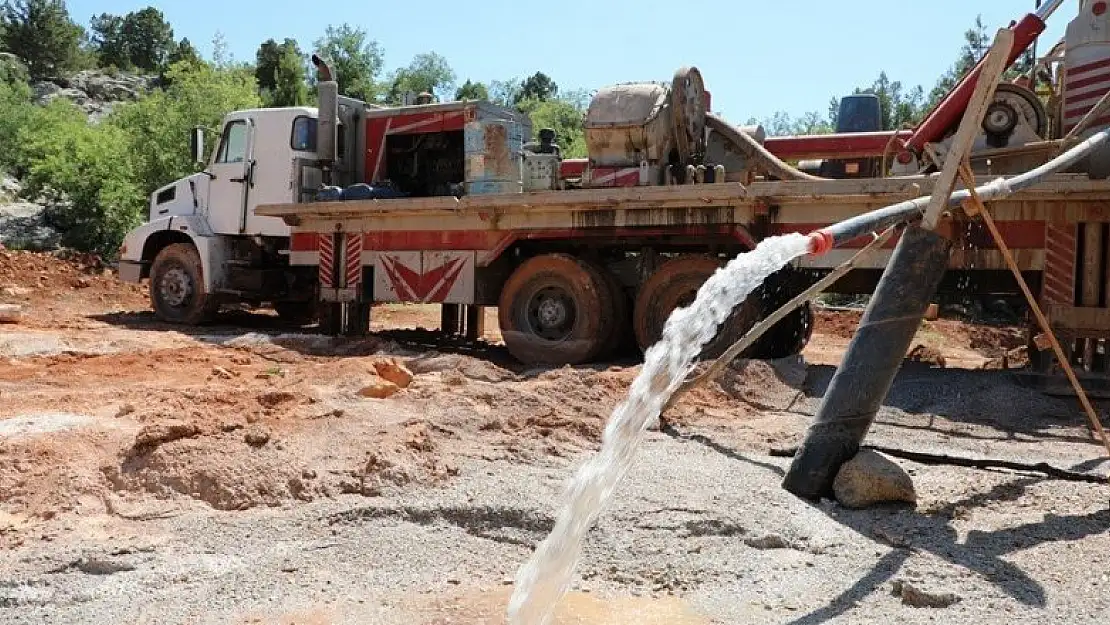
719, 533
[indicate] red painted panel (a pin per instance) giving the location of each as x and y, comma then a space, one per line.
303, 242
573, 167
844, 145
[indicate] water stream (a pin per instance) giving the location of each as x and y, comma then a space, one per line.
547, 575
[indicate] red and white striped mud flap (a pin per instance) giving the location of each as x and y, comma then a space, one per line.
353, 262
350, 274
327, 261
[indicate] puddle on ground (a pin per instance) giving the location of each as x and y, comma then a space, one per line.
26, 425
576, 608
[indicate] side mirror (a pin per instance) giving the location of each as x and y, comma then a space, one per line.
196, 144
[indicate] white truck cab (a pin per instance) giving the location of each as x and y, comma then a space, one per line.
203, 245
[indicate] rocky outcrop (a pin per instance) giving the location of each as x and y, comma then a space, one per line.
23, 224
95, 92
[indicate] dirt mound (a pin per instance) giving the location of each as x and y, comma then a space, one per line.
56, 286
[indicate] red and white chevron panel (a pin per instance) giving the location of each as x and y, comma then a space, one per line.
1059, 265
326, 250
614, 176
352, 267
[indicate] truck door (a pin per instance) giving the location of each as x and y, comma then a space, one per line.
232, 177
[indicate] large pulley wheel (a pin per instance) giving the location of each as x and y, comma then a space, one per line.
1012, 104
675, 285
688, 112
556, 309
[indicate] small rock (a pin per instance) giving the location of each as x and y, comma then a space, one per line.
222, 373
125, 410
10, 313
257, 437
379, 389
102, 566
82, 283
768, 541
394, 372
159, 434
919, 598
15, 291
271, 399
871, 478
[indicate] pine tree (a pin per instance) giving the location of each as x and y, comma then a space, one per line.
42, 34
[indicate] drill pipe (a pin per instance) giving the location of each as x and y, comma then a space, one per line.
840, 233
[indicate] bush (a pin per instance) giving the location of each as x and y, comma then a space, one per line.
15, 102
86, 171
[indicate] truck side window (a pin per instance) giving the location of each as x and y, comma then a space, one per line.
233, 148
304, 134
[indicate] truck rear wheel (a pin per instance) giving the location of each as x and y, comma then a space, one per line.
177, 286
674, 285
556, 309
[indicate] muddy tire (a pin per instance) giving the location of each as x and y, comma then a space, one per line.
557, 310
674, 285
791, 335
298, 313
621, 339
177, 286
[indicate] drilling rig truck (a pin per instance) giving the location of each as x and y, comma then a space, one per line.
322, 212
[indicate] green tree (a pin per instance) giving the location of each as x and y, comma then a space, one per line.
565, 116
354, 58
107, 40
15, 101
538, 86
506, 92
280, 72
183, 51
148, 39
42, 33
86, 170
428, 72
472, 91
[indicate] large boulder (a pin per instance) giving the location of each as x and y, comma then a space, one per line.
117, 88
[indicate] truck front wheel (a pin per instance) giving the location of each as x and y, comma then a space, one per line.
177, 286
556, 309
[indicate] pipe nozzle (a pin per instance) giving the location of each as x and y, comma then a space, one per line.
820, 242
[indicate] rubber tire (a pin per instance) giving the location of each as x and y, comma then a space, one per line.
674, 284
200, 308
620, 338
594, 320
298, 313
789, 336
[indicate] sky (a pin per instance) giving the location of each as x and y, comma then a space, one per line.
756, 57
